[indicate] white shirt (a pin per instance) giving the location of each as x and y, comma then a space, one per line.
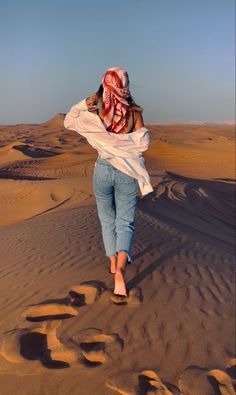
123, 151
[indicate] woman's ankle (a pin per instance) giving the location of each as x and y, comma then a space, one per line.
120, 270
113, 262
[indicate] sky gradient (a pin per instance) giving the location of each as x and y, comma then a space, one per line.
179, 55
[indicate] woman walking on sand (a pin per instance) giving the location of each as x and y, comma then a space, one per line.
112, 123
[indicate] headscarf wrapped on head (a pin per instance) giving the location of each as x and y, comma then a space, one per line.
116, 108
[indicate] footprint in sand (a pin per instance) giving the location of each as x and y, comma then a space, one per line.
196, 380
98, 347
146, 382
41, 343
90, 291
86, 292
225, 380
150, 383
231, 369
135, 298
49, 311
38, 343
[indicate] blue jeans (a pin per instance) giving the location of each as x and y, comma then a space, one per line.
116, 197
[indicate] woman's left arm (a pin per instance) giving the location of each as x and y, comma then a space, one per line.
71, 118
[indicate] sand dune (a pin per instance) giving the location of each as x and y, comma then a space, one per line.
63, 166
11, 153
55, 122
190, 158
23, 199
62, 331
203, 205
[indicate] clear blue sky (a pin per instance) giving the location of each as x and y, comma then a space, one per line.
179, 55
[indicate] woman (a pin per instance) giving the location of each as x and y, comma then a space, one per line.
113, 124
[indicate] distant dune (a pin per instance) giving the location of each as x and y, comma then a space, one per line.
55, 122
62, 331
230, 122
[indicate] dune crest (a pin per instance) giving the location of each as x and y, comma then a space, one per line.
55, 122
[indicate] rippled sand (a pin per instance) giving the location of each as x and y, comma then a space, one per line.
61, 331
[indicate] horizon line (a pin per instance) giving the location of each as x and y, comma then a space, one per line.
150, 122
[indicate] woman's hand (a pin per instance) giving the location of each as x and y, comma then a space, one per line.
91, 100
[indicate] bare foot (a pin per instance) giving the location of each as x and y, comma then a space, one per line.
120, 288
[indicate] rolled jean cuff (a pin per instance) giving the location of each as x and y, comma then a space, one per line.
128, 255
109, 254
124, 243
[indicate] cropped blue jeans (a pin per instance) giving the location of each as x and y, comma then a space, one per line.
116, 197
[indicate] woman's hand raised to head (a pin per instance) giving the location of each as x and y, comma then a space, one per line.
92, 100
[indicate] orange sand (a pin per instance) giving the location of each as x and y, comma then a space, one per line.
61, 331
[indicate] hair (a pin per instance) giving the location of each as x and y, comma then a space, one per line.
130, 99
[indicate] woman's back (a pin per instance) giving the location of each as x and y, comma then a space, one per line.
134, 121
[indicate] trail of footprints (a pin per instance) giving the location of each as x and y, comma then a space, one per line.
92, 347
193, 381
40, 341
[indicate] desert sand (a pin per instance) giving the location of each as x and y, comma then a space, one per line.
61, 330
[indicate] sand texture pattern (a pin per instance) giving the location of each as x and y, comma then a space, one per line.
61, 330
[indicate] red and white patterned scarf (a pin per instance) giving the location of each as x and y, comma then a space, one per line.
116, 108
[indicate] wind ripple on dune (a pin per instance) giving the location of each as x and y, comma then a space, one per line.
60, 166
20, 200
203, 205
